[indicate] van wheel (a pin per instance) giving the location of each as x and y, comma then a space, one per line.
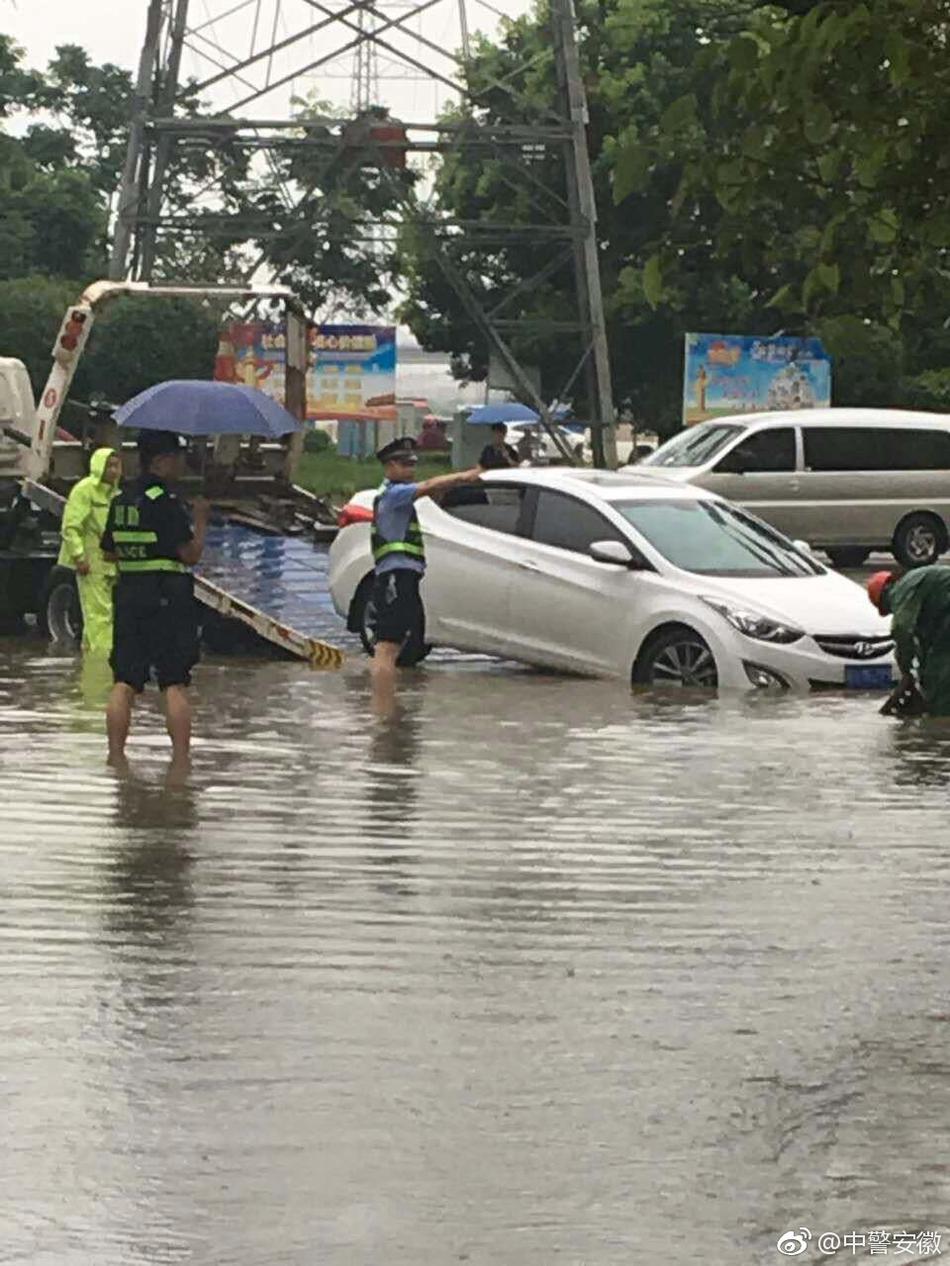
60, 614
920, 539
847, 555
363, 620
676, 656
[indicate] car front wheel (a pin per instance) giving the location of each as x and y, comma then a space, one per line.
676, 656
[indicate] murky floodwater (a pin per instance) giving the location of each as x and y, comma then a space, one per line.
532, 971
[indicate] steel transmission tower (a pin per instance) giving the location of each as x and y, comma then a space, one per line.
250, 56
365, 91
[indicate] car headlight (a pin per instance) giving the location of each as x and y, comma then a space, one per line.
752, 624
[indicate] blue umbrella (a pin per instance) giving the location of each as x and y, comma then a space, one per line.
194, 407
489, 414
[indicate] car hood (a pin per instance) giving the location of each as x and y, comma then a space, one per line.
828, 605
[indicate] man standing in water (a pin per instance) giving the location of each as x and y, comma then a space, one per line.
151, 540
919, 604
399, 556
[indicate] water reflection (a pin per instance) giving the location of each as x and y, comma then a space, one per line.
921, 750
529, 970
393, 779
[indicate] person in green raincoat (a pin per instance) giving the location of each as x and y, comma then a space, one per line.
919, 606
84, 521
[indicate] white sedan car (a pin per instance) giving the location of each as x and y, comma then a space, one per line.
623, 575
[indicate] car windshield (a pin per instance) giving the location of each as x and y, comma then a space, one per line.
712, 538
694, 447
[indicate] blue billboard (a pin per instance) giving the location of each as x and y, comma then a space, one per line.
741, 373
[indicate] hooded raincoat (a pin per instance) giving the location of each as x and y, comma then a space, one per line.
920, 606
84, 521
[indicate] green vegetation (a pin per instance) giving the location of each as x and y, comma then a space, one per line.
136, 341
759, 168
328, 474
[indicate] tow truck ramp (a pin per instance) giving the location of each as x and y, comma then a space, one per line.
273, 584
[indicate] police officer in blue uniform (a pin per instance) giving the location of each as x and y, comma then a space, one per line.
150, 537
399, 554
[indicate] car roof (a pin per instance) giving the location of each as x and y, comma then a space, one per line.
602, 485
832, 417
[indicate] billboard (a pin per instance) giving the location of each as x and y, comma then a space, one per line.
741, 373
351, 369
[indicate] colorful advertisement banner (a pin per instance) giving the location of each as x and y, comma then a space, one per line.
351, 369
738, 373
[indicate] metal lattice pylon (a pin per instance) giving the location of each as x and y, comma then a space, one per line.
248, 57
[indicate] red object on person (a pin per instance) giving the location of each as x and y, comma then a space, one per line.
352, 512
877, 584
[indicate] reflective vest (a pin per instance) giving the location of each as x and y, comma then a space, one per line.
136, 545
411, 544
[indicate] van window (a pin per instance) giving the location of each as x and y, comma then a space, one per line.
771, 451
854, 448
695, 446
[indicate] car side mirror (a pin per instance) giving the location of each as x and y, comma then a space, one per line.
613, 552
803, 546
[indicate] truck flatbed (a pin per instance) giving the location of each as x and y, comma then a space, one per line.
277, 585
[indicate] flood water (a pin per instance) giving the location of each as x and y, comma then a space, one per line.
532, 971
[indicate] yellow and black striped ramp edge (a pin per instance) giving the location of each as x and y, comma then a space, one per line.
323, 655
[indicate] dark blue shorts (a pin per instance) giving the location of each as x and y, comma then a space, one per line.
398, 604
155, 630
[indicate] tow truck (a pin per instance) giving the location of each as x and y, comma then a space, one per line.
261, 576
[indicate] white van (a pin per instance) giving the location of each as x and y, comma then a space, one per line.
848, 481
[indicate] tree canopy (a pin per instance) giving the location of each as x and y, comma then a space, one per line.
758, 168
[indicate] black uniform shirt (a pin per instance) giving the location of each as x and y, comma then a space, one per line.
164, 515
493, 459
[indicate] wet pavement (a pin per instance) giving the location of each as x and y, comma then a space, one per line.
532, 971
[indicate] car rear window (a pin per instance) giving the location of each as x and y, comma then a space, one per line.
497, 507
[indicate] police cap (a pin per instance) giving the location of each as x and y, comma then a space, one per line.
152, 444
399, 450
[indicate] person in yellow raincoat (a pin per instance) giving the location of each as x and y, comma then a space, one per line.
84, 521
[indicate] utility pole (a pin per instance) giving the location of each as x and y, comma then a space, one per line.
127, 206
580, 193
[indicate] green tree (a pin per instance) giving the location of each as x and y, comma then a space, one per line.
820, 141
137, 341
639, 60
760, 168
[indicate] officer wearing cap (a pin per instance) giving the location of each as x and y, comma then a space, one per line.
399, 553
149, 536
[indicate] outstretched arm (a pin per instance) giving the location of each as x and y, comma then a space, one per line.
442, 483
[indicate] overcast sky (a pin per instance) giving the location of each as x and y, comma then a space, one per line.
112, 30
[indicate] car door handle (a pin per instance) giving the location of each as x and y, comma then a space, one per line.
527, 565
